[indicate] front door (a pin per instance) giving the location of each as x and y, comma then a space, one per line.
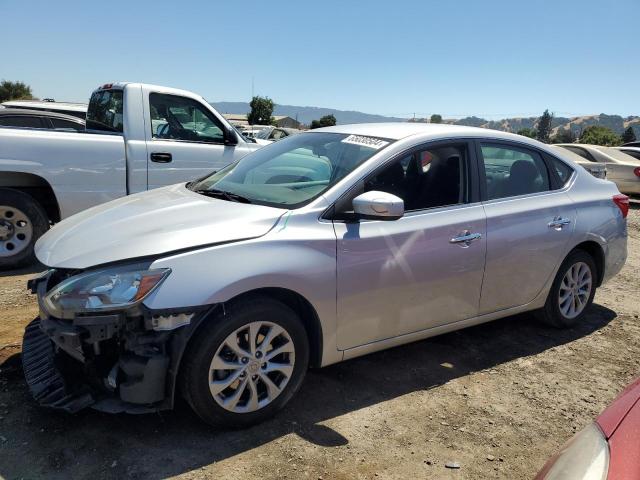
185, 142
423, 270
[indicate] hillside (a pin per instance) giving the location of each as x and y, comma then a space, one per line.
307, 114
577, 124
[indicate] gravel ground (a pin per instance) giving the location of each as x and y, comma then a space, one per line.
497, 399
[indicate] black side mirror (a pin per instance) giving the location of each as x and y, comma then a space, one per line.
230, 137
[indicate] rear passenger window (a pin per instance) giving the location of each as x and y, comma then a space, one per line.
580, 151
21, 121
512, 171
60, 124
563, 170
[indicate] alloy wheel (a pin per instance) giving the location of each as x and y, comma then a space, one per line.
251, 367
575, 290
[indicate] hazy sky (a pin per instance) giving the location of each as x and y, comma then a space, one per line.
457, 58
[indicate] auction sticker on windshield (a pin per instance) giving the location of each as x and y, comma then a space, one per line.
372, 142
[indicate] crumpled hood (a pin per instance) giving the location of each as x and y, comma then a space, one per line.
151, 223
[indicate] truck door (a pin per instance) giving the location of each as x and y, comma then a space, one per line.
185, 140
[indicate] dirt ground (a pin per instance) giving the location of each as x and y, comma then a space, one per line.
498, 399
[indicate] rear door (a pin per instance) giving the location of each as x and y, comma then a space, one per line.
424, 269
184, 140
530, 220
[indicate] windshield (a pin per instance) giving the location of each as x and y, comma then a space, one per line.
264, 133
292, 172
618, 155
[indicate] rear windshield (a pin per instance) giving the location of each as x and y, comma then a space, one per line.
105, 111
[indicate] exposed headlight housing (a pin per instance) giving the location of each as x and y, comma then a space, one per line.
584, 457
102, 290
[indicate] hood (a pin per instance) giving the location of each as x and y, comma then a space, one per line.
151, 223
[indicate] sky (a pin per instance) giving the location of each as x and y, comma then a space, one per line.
487, 58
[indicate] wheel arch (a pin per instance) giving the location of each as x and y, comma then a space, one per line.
298, 303
595, 250
37, 188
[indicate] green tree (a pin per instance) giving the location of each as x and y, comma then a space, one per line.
261, 111
598, 135
564, 135
326, 121
628, 135
527, 132
544, 126
14, 91
435, 118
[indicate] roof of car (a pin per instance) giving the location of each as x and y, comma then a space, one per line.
38, 113
399, 130
38, 104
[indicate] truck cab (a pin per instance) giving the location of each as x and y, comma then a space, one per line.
181, 137
137, 137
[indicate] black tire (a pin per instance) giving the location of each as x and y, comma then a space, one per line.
194, 373
551, 314
39, 224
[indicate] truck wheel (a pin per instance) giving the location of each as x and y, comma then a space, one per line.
246, 363
22, 222
572, 291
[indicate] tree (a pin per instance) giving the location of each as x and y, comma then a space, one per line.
598, 135
326, 121
544, 126
628, 135
527, 132
14, 91
564, 135
261, 111
435, 118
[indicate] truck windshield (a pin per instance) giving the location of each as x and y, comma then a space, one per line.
105, 111
293, 171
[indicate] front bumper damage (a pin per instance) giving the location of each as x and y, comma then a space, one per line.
116, 362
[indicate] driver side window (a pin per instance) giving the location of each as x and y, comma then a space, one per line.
428, 178
180, 118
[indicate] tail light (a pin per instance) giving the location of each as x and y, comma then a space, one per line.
636, 171
622, 201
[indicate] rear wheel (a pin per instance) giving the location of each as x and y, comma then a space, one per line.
572, 291
246, 363
22, 222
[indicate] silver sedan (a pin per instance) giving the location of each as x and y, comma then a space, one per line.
622, 168
319, 248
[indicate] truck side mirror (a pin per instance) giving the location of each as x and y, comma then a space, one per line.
230, 137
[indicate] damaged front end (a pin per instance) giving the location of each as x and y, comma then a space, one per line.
115, 359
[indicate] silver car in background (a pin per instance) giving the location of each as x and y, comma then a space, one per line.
319, 248
622, 169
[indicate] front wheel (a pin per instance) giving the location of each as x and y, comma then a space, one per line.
22, 222
572, 291
246, 363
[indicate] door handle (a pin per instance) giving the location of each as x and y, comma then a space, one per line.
465, 238
558, 222
161, 157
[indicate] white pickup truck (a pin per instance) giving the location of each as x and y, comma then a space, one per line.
137, 137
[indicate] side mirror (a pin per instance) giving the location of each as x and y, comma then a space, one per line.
230, 137
378, 206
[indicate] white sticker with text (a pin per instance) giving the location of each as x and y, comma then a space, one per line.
371, 142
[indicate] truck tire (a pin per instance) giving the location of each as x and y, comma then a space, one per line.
245, 363
22, 222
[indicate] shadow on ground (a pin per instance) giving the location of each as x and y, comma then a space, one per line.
35, 268
159, 446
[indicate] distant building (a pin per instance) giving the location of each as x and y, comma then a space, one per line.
280, 120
